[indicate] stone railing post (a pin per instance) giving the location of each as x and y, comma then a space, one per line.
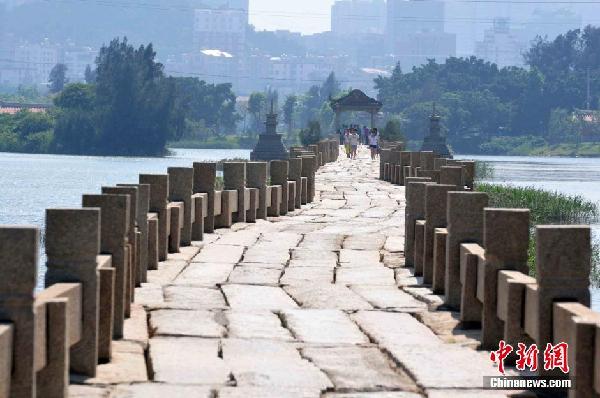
18, 266
415, 163
415, 210
427, 160
469, 173
295, 174
465, 225
205, 175
114, 232
72, 248
143, 208
506, 241
563, 264
279, 176
234, 179
435, 217
131, 243
438, 163
159, 193
257, 178
452, 175
181, 185
309, 169
404, 162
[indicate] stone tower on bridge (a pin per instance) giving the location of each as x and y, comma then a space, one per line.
270, 145
436, 140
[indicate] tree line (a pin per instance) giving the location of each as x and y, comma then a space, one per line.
127, 107
487, 109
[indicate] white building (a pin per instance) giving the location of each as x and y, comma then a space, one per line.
349, 17
501, 46
77, 60
29, 64
222, 29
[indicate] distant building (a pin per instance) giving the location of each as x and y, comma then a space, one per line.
77, 59
221, 29
29, 64
501, 46
415, 32
350, 17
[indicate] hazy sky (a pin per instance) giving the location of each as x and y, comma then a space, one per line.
306, 16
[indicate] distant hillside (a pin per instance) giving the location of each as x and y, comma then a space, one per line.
166, 23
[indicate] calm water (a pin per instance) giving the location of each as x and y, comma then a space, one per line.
573, 176
31, 183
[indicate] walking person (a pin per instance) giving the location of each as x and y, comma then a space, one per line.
374, 143
354, 141
347, 145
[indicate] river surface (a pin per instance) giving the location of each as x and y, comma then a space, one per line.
572, 176
31, 183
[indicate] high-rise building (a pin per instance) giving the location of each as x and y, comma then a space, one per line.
223, 30
415, 32
349, 17
501, 46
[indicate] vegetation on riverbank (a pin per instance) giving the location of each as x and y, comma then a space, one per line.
486, 109
546, 208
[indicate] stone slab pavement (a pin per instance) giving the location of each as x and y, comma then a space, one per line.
313, 304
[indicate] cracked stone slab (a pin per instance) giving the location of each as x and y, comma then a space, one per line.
312, 263
185, 323
323, 327
389, 298
380, 394
251, 275
359, 258
250, 297
365, 276
149, 294
167, 272
358, 368
265, 255
327, 296
79, 391
266, 392
157, 390
127, 365
136, 326
240, 238
272, 364
314, 255
422, 353
298, 275
256, 325
220, 254
184, 360
365, 242
205, 274
394, 244
194, 297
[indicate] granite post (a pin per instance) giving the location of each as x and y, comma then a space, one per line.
18, 265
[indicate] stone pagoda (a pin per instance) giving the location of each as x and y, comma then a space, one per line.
436, 141
270, 145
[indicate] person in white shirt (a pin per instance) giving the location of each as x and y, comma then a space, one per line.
374, 143
354, 140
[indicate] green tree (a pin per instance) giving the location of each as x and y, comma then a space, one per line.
75, 131
90, 75
256, 105
136, 112
330, 88
393, 131
58, 78
312, 134
289, 107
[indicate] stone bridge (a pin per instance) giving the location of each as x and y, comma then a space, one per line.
317, 277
